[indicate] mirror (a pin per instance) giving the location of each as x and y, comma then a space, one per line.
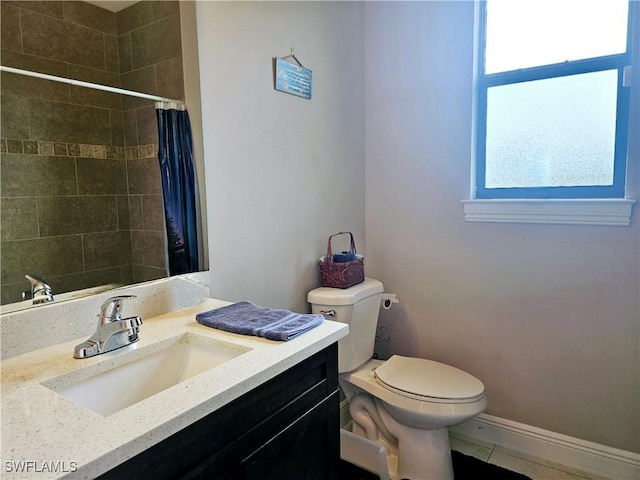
81, 196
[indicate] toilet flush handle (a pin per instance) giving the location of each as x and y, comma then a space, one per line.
328, 313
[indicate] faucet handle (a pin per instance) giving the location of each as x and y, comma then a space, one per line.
40, 290
112, 308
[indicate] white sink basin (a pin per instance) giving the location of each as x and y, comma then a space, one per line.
140, 377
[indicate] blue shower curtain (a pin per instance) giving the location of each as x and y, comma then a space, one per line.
175, 153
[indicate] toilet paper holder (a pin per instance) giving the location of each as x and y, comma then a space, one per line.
388, 299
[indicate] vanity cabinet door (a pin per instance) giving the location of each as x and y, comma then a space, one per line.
305, 449
302, 448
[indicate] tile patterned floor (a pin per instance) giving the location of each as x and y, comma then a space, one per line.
535, 468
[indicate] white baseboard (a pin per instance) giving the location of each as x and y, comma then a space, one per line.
553, 447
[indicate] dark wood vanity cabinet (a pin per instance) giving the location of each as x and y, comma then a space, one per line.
287, 428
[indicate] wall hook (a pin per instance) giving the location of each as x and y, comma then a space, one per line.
293, 55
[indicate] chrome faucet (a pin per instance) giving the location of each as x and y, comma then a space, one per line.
40, 291
113, 331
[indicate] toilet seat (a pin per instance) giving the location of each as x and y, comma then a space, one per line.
428, 381
421, 412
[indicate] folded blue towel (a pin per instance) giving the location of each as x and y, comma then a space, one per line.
248, 319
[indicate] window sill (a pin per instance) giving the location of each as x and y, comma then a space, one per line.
611, 212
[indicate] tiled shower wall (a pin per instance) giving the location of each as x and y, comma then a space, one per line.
81, 200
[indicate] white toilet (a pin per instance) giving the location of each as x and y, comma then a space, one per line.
405, 404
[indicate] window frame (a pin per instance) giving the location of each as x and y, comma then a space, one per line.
617, 62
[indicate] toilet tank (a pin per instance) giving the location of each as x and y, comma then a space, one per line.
357, 306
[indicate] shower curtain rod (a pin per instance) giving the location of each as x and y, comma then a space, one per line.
95, 86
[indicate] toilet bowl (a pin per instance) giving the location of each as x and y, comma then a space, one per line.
405, 404
411, 419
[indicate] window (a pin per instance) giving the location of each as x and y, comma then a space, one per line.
553, 99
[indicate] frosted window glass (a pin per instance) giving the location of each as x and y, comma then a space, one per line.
530, 34
552, 132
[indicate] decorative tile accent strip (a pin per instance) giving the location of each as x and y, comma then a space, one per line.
61, 149
86, 151
74, 149
14, 146
114, 152
30, 147
45, 148
99, 151
141, 151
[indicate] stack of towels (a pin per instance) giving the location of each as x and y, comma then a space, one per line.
248, 319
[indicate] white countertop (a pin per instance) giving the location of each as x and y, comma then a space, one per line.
54, 437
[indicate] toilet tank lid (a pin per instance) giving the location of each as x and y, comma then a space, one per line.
345, 296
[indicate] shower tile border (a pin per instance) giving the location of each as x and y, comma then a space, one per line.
61, 149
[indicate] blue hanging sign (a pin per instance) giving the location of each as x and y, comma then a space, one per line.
293, 79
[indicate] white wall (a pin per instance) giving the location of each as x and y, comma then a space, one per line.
282, 172
547, 316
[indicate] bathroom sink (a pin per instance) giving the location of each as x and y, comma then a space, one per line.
177, 360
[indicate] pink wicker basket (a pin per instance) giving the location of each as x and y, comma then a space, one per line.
341, 274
